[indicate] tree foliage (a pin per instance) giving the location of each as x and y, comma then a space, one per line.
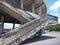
55, 27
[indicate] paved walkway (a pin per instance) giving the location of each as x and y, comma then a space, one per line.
51, 38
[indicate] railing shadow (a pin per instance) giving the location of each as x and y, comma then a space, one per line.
35, 39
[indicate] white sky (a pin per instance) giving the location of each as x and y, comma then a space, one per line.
10, 25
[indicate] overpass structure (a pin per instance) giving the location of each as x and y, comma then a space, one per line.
28, 13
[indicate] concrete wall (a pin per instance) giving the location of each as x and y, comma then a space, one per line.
44, 1
0, 29
41, 10
13, 3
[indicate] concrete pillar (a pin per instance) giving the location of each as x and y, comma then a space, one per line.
4, 0
21, 4
13, 25
2, 25
21, 24
33, 10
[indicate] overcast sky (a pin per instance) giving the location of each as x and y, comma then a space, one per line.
53, 7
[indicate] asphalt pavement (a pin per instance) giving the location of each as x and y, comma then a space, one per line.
49, 38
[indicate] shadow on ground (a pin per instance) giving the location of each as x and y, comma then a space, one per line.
31, 40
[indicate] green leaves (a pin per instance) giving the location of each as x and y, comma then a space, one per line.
55, 27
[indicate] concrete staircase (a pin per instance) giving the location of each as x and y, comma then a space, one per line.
32, 21
20, 34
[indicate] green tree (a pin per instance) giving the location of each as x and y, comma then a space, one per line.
49, 27
55, 27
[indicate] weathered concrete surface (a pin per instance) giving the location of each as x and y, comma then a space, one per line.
1, 41
50, 38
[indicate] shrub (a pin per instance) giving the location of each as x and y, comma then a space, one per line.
55, 27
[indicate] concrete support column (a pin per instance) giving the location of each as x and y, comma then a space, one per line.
21, 24
21, 4
33, 10
4, 0
13, 25
2, 24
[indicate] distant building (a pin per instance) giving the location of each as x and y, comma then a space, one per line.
51, 17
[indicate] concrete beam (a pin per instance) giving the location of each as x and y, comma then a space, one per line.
21, 4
